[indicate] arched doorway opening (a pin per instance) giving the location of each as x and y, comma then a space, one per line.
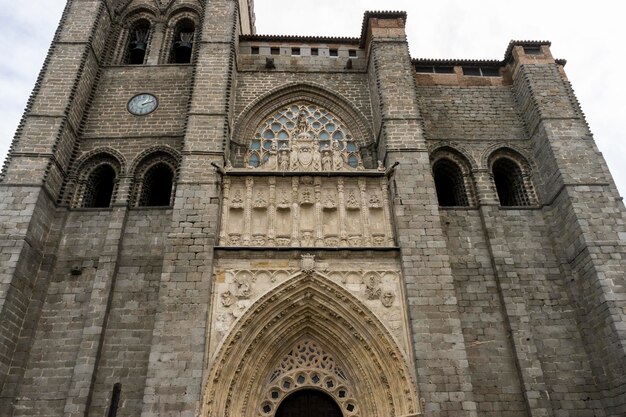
309, 403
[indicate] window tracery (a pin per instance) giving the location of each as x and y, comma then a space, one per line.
303, 137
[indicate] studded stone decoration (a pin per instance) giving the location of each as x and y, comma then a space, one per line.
239, 284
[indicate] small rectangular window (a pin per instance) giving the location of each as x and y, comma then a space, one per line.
255, 50
473, 71
315, 52
532, 50
490, 72
352, 52
295, 51
275, 51
444, 70
424, 70
333, 52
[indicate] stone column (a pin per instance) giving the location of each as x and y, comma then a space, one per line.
437, 338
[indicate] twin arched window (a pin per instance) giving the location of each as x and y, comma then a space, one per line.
153, 184
177, 44
510, 173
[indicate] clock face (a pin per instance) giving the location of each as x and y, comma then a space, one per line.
142, 104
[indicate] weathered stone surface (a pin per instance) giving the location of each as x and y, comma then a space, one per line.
323, 231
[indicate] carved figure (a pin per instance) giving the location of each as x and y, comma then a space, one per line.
352, 201
387, 298
283, 159
372, 287
228, 299
337, 157
244, 285
237, 200
303, 124
293, 158
327, 159
374, 200
381, 167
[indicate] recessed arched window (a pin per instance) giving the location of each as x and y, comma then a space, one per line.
449, 183
137, 46
99, 187
156, 188
182, 42
510, 185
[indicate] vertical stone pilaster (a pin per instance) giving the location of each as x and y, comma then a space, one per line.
79, 395
575, 185
177, 362
438, 344
38, 160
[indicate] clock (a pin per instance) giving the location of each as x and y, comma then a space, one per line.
142, 104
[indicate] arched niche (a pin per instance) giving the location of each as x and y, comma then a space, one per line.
309, 309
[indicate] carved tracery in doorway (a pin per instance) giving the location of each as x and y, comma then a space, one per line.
367, 373
308, 366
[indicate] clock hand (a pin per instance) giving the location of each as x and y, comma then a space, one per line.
146, 102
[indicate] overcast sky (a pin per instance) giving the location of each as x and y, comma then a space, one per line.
589, 35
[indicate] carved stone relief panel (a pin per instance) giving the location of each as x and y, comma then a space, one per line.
306, 211
238, 283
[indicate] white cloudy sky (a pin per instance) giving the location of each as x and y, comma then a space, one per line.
589, 35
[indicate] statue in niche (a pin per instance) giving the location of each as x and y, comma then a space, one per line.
352, 201
327, 159
237, 200
374, 200
303, 124
283, 159
317, 159
293, 159
272, 161
337, 157
329, 200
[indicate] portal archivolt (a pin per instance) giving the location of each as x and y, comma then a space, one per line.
309, 333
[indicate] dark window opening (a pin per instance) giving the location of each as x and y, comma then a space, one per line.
333, 52
532, 50
444, 70
352, 52
115, 400
138, 43
275, 51
490, 72
157, 186
424, 70
295, 51
315, 51
99, 189
475, 71
309, 403
509, 183
183, 42
449, 184
255, 50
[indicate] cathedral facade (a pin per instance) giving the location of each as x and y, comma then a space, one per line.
197, 220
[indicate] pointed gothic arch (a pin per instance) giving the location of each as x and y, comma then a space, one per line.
309, 309
254, 114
